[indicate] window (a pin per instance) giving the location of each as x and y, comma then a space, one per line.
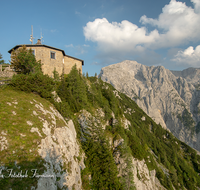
33, 51
53, 55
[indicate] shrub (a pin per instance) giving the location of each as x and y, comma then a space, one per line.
34, 82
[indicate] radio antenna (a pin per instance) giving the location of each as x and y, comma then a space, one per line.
31, 39
41, 37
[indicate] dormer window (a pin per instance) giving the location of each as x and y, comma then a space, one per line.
53, 55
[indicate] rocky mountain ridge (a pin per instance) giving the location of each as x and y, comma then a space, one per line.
167, 97
191, 74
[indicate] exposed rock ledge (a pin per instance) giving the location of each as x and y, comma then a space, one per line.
59, 148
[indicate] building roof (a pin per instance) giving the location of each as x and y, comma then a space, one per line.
42, 45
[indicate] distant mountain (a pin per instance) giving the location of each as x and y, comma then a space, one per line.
171, 98
192, 75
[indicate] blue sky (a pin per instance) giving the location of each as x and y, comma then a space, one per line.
104, 32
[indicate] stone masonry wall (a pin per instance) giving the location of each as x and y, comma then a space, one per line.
60, 63
8, 72
70, 62
49, 64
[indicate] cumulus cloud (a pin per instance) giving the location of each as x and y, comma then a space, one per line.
197, 5
189, 57
122, 37
177, 24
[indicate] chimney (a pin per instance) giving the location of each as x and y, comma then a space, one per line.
38, 42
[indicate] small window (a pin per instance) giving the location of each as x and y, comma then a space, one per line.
33, 51
53, 55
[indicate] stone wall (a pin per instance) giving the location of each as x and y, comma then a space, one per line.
60, 63
69, 62
8, 72
48, 64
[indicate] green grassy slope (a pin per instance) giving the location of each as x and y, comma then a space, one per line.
19, 146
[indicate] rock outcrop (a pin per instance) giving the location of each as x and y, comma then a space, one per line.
59, 148
37, 141
142, 178
171, 98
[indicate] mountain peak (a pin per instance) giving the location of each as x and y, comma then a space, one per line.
169, 97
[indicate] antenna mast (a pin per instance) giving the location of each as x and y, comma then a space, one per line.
41, 37
31, 34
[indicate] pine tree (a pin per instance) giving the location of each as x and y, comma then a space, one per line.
1, 59
55, 74
101, 164
73, 90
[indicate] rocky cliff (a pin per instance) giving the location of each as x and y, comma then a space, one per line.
171, 98
192, 75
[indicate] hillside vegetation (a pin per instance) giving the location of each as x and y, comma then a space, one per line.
109, 126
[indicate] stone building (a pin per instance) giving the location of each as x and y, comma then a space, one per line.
52, 58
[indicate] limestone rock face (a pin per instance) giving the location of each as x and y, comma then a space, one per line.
59, 148
143, 178
171, 98
192, 75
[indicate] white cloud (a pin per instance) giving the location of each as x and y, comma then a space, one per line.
77, 13
79, 49
53, 30
114, 36
69, 46
188, 57
177, 24
197, 5
85, 45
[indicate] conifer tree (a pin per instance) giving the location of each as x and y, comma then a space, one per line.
55, 74
24, 61
73, 90
1, 59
